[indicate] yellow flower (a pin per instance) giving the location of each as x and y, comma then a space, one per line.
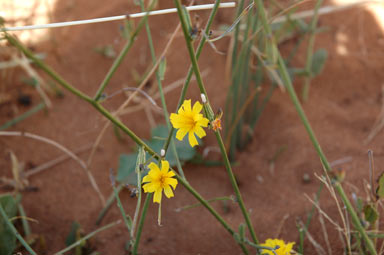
284, 249
158, 180
189, 120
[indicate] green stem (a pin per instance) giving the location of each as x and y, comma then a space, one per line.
161, 92
12, 40
141, 223
121, 56
210, 209
125, 129
121, 208
139, 162
199, 204
108, 204
78, 242
190, 70
218, 136
191, 51
311, 43
261, 247
291, 91
15, 232
24, 221
306, 87
236, 188
23, 116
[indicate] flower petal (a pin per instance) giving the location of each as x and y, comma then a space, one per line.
181, 133
187, 105
153, 166
170, 174
203, 122
172, 182
147, 178
149, 188
168, 192
164, 167
200, 132
197, 107
192, 139
181, 110
157, 196
177, 120
154, 172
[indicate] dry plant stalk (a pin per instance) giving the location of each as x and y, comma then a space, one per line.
142, 84
65, 150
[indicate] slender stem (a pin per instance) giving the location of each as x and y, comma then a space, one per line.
12, 40
121, 56
78, 242
191, 51
311, 43
126, 130
260, 247
140, 160
24, 221
190, 70
209, 208
15, 232
121, 208
108, 204
218, 136
236, 187
291, 91
141, 223
209, 201
161, 92
23, 116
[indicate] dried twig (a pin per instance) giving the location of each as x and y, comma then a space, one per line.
142, 84
65, 150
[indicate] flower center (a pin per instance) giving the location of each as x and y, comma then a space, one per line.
192, 122
162, 181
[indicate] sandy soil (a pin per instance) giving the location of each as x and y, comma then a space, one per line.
343, 106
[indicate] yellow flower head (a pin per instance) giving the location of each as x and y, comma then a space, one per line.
189, 120
158, 180
284, 249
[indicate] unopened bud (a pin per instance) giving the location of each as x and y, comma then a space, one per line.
162, 152
203, 98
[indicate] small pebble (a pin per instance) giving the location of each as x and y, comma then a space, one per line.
306, 178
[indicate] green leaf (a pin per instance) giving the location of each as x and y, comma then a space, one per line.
7, 238
359, 205
237, 237
162, 68
370, 213
73, 233
183, 148
129, 165
242, 232
318, 61
271, 51
126, 170
127, 162
380, 187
